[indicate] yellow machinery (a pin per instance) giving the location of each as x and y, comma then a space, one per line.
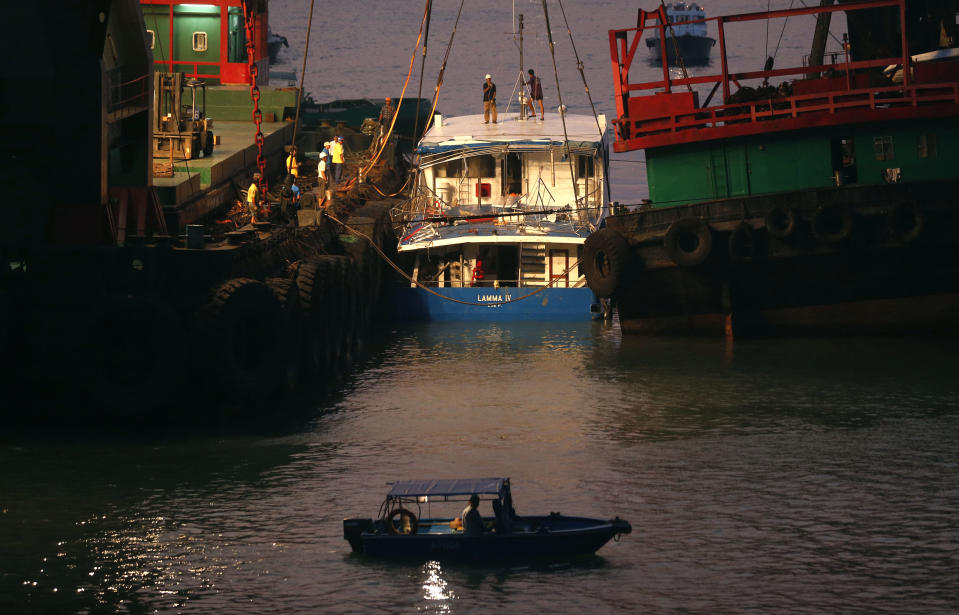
180, 131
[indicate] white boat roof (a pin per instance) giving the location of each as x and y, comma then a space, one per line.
471, 131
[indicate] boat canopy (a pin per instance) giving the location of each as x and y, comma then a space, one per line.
447, 487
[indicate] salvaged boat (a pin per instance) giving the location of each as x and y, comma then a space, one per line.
827, 203
406, 527
496, 225
682, 35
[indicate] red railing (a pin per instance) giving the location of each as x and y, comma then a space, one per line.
128, 93
662, 116
166, 65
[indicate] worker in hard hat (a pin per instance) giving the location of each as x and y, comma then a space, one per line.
292, 167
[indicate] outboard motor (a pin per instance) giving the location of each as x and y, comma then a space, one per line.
352, 528
621, 526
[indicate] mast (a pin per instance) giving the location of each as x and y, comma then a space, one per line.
522, 88
819, 38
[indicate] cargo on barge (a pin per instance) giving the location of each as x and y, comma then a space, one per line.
827, 203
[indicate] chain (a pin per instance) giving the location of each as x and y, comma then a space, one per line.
249, 16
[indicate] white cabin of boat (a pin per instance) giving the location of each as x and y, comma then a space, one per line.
505, 204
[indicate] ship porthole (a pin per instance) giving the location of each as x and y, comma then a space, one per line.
688, 242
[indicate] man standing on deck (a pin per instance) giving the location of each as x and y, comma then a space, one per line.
489, 99
337, 154
535, 93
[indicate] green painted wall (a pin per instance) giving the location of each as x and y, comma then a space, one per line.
156, 18
764, 164
941, 162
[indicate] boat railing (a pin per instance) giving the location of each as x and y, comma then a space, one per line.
668, 111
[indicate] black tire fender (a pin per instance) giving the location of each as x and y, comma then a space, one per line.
832, 223
242, 324
906, 222
781, 221
605, 257
688, 241
742, 243
291, 349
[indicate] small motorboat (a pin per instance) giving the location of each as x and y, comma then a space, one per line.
406, 527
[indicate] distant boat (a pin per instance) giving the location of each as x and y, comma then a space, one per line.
273, 44
400, 532
687, 32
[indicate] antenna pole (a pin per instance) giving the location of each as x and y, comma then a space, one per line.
522, 89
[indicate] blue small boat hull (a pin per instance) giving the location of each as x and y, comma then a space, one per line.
586, 539
550, 304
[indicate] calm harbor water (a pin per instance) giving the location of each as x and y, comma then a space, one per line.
773, 476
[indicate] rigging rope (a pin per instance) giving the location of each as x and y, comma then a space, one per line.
672, 37
562, 107
419, 92
306, 51
579, 65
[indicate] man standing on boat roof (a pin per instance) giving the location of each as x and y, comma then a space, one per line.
489, 99
472, 521
535, 93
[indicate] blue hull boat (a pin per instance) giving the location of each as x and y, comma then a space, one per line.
402, 533
549, 304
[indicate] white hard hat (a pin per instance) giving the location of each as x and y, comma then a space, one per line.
488, 76
322, 154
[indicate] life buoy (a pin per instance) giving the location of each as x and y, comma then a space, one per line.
605, 256
742, 243
906, 222
781, 221
832, 223
408, 522
688, 241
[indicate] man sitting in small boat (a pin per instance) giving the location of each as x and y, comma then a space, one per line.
472, 521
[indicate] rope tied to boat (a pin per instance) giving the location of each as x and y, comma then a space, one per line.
409, 278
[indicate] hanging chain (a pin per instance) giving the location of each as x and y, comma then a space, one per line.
249, 16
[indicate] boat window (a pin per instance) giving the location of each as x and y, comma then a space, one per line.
882, 146
199, 41
927, 145
481, 166
453, 168
236, 41
152, 36
513, 185
584, 166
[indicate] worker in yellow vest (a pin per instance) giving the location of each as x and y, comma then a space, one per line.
291, 165
338, 159
253, 197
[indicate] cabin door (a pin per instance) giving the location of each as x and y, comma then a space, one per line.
512, 175
558, 264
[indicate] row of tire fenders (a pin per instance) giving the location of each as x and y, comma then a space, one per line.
689, 241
